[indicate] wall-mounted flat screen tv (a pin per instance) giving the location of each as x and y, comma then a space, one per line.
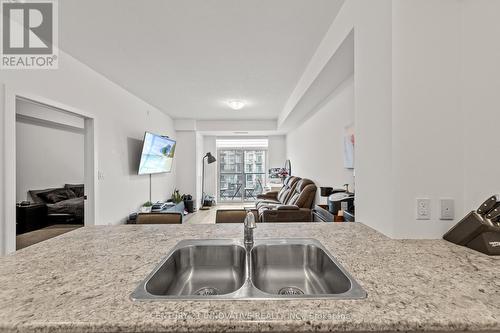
157, 154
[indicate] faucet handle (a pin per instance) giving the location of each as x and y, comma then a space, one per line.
250, 220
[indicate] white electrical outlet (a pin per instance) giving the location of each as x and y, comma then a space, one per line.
423, 209
447, 209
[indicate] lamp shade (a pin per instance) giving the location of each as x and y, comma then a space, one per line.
210, 158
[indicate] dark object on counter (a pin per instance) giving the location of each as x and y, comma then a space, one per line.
478, 230
466, 230
494, 214
487, 242
488, 205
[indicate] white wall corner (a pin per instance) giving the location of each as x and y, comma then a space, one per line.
340, 28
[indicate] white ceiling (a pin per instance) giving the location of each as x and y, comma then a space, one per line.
187, 57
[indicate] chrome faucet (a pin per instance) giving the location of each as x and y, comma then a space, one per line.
249, 226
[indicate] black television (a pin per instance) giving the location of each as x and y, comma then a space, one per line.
157, 154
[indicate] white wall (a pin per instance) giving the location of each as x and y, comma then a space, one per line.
481, 99
191, 147
373, 113
47, 156
426, 100
371, 22
316, 148
446, 79
408, 111
427, 118
120, 118
276, 151
186, 159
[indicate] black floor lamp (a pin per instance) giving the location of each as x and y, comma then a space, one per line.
210, 159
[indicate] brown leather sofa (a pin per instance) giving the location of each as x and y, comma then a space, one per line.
278, 197
159, 218
233, 215
293, 203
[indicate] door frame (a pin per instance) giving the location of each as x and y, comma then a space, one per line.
8, 198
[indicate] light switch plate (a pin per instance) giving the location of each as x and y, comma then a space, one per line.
423, 209
447, 209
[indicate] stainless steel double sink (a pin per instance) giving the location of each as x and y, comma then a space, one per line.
226, 270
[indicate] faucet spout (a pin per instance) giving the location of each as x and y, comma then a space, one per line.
249, 225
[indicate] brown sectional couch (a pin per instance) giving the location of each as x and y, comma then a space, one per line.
280, 196
233, 215
293, 203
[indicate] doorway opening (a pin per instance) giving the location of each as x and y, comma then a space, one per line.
51, 173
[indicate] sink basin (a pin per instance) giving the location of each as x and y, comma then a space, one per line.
225, 269
198, 268
297, 269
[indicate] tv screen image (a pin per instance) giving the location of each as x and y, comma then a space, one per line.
157, 154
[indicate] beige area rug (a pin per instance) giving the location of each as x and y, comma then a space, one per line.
37, 236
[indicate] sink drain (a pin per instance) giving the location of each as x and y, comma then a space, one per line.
206, 291
290, 291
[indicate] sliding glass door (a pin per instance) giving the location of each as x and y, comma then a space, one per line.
241, 174
230, 175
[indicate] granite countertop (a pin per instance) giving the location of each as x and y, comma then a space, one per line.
81, 282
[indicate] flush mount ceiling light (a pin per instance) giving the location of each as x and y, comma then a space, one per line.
236, 104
